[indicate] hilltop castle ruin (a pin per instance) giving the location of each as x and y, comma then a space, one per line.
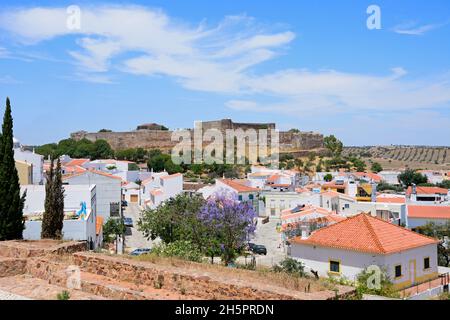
152, 137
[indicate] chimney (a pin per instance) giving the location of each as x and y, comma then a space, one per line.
374, 193
305, 231
414, 192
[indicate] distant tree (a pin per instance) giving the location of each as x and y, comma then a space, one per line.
158, 162
294, 131
101, 150
133, 167
47, 150
410, 177
333, 145
175, 219
376, 167
53, 219
359, 165
444, 184
328, 177
11, 202
319, 167
441, 232
112, 230
104, 130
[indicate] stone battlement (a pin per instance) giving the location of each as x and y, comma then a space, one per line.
290, 142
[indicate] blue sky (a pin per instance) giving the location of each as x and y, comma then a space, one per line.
310, 65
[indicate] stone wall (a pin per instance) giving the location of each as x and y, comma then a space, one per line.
152, 139
26, 249
202, 284
10, 267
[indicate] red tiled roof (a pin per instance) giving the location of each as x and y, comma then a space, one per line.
364, 233
93, 171
273, 178
391, 199
431, 212
76, 162
334, 185
171, 176
427, 190
279, 185
238, 186
375, 177
73, 169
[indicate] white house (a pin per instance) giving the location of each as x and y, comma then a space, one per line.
433, 176
277, 202
427, 194
241, 189
390, 177
80, 222
348, 247
420, 215
131, 192
161, 187
35, 159
273, 179
109, 190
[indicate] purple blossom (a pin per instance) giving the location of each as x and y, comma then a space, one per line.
231, 221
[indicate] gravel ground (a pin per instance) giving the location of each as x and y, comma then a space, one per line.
10, 296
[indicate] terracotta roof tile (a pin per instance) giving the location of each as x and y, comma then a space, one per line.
431, 212
427, 190
364, 233
76, 162
238, 186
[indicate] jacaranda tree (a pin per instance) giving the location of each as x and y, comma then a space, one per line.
228, 223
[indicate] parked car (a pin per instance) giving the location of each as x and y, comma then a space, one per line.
140, 251
258, 249
128, 222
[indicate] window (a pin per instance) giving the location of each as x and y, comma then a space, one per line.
240, 198
335, 266
347, 206
250, 197
272, 211
398, 271
426, 263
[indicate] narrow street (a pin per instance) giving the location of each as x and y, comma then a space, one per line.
134, 239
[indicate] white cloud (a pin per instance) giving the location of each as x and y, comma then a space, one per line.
4, 53
8, 80
413, 29
221, 59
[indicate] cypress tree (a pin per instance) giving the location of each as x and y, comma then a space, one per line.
11, 202
53, 220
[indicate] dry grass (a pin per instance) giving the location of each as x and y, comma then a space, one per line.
261, 275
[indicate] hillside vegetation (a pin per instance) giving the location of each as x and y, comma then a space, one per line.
423, 157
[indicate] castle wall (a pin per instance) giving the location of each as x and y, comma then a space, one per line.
290, 142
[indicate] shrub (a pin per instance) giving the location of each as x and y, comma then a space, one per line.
179, 249
290, 266
385, 288
64, 295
